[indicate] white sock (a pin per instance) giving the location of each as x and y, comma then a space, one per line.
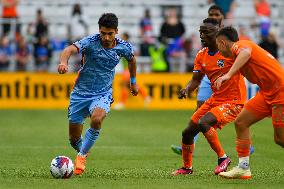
246, 158
80, 154
224, 156
244, 162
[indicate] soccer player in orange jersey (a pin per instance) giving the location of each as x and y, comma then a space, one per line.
260, 68
204, 91
221, 108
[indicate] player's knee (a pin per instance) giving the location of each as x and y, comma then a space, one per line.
239, 124
203, 125
189, 133
96, 122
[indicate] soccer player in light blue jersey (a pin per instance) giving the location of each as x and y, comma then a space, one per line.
92, 93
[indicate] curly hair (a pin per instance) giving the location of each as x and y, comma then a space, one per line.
108, 20
211, 21
216, 7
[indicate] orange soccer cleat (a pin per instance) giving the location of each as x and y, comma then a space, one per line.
80, 162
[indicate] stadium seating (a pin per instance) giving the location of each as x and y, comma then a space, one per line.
130, 12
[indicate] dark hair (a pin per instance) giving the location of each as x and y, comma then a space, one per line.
211, 21
126, 34
229, 32
216, 7
147, 13
39, 11
76, 9
108, 20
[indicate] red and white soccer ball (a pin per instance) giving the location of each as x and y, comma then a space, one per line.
61, 167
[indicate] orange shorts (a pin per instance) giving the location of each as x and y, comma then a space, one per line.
225, 112
262, 108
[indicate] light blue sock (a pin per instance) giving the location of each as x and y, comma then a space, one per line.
76, 144
195, 138
90, 138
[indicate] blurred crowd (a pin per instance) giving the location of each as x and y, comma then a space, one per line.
20, 49
171, 51
179, 50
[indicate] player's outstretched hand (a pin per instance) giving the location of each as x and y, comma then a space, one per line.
62, 68
182, 93
134, 89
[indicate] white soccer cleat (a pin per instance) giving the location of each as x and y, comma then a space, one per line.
236, 173
119, 106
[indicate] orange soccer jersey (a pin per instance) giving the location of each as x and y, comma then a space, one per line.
265, 71
262, 69
227, 102
214, 66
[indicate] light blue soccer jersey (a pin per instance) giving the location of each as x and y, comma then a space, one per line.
93, 87
204, 91
97, 72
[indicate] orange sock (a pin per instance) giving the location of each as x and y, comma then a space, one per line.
212, 138
243, 147
187, 151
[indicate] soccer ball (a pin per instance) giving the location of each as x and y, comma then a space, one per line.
61, 167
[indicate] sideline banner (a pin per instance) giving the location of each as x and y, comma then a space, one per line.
162, 89
49, 91
35, 90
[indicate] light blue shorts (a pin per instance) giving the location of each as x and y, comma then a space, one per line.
204, 91
82, 106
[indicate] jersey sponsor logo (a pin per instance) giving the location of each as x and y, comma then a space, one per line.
221, 63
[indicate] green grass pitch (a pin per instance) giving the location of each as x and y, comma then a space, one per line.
133, 152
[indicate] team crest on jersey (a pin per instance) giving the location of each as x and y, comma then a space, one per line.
220, 63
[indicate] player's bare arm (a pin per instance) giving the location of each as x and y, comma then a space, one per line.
132, 71
191, 86
242, 58
65, 55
